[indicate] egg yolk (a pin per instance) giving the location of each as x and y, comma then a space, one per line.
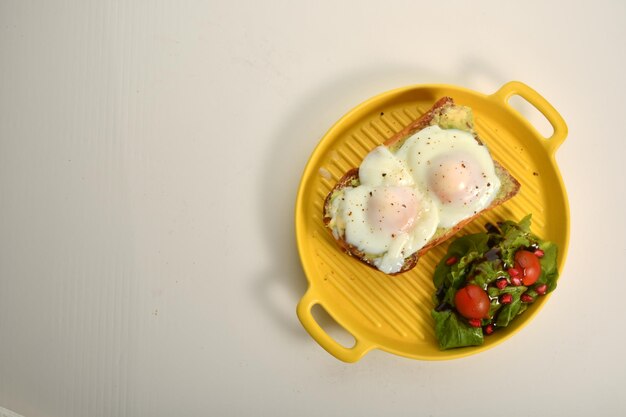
455, 179
393, 209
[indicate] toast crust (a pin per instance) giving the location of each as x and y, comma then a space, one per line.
420, 123
352, 175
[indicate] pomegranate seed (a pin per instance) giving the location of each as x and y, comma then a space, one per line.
489, 329
451, 260
516, 281
474, 322
514, 272
539, 253
541, 289
506, 299
501, 283
527, 298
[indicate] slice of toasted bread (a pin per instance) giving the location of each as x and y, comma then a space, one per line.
447, 115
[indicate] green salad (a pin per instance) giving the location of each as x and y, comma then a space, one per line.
488, 279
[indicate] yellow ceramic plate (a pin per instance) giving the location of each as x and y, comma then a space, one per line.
392, 313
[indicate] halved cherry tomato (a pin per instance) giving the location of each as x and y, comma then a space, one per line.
472, 302
529, 264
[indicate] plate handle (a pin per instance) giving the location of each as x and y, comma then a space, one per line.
554, 118
352, 354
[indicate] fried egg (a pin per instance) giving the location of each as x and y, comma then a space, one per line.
437, 178
455, 170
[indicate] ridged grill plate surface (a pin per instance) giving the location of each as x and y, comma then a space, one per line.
392, 313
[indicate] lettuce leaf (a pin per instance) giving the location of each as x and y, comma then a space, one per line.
487, 272
515, 236
466, 250
452, 332
549, 272
509, 311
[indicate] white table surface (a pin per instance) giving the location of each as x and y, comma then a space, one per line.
150, 152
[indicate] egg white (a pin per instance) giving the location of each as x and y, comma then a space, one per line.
454, 169
437, 178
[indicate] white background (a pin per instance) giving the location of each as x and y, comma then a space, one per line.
150, 153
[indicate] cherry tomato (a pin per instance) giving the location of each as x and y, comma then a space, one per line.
529, 264
472, 302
